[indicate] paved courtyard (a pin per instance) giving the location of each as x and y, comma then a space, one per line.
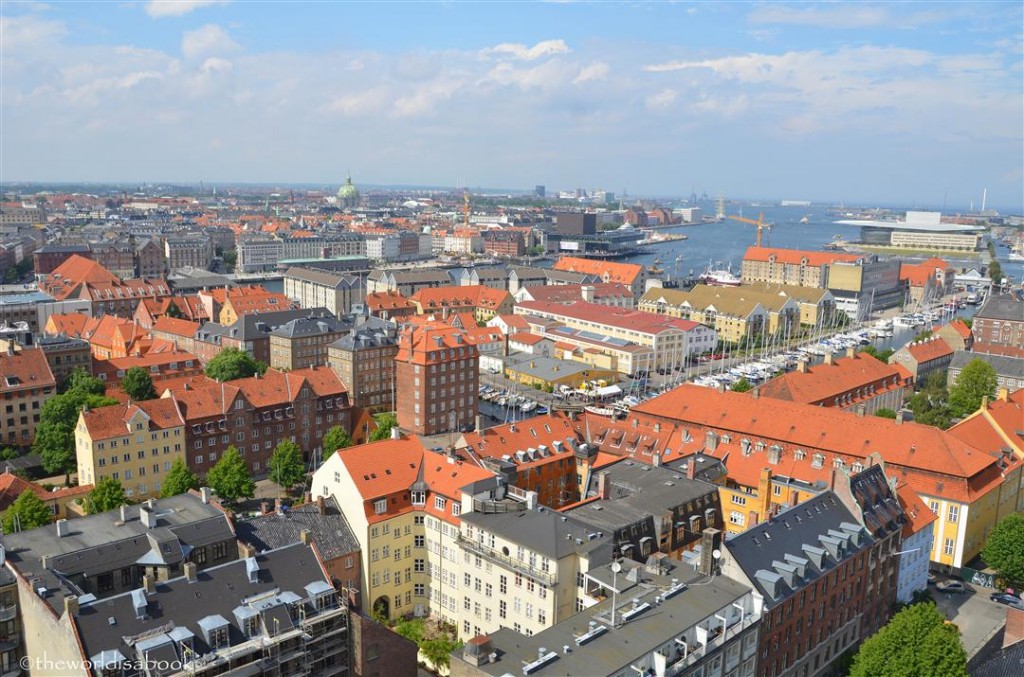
974, 613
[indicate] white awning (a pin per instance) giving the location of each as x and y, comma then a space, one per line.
607, 390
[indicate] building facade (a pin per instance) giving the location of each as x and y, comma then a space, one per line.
437, 377
26, 383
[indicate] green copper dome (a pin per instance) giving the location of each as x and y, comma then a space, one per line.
348, 191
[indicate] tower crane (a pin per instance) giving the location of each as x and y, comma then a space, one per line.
761, 225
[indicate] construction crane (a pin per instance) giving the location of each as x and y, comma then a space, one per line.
761, 225
465, 199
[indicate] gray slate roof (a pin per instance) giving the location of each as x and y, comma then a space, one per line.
807, 528
99, 543
331, 532
549, 533
1002, 307
1003, 364
179, 608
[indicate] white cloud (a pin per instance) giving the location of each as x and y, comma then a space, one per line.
208, 39
425, 98
369, 102
662, 99
524, 53
849, 16
159, 9
595, 71
27, 31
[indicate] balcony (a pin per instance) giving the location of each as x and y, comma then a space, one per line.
545, 577
8, 613
695, 651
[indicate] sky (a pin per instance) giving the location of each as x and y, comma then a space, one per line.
888, 103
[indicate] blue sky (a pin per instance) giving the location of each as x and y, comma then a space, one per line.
907, 103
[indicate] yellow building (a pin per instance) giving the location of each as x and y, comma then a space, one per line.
135, 444
734, 312
403, 503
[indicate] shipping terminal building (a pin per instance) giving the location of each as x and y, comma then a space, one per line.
920, 231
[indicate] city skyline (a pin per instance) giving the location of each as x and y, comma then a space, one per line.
890, 103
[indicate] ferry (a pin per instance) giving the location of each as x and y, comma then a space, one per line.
720, 277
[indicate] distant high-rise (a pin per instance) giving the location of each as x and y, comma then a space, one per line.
539, 191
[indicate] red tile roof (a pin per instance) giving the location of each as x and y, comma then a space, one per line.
112, 421
798, 256
824, 382
910, 445
171, 325
527, 434
469, 296
918, 514
25, 370
387, 300
626, 273
624, 318
933, 348
570, 293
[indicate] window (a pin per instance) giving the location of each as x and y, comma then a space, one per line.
503, 585
948, 547
456, 509
489, 590
739, 500
736, 517
439, 502
419, 497
380, 506
502, 609
934, 506
419, 566
954, 513
419, 589
777, 489
418, 541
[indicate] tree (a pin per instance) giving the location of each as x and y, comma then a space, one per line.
55, 434
286, 466
412, 629
230, 478
138, 384
27, 512
885, 413
742, 385
995, 272
929, 405
881, 355
8, 454
916, 642
232, 363
385, 422
179, 480
106, 495
1004, 550
921, 336
336, 438
83, 382
976, 381
174, 311
438, 651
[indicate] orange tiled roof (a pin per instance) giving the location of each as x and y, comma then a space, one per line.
416, 342
823, 382
962, 330
387, 300
798, 256
25, 369
918, 514
626, 273
526, 338
527, 434
171, 325
933, 348
475, 296
69, 324
911, 445
112, 421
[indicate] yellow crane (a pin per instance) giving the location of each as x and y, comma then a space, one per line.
761, 225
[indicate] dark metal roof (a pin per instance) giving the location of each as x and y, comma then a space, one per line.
330, 532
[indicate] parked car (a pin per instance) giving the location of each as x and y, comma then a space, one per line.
932, 580
1005, 598
951, 586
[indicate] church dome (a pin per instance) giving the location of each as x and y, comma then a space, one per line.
348, 191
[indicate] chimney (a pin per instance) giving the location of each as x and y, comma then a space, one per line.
801, 365
587, 292
861, 410
278, 506
1003, 394
206, 493
396, 432
147, 516
306, 537
710, 543
755, 393
851, 351
190, 571
604, 487
71, 605
899, 417
320, 506
829, 358
62, 528
264, 507
984, 402
124, 514
691, 468
149, 584
656, 460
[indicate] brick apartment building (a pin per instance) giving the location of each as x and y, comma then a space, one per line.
504, 243
999, 324
437, 379
255, 414
26, 383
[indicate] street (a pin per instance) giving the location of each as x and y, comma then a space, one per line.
974, 613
